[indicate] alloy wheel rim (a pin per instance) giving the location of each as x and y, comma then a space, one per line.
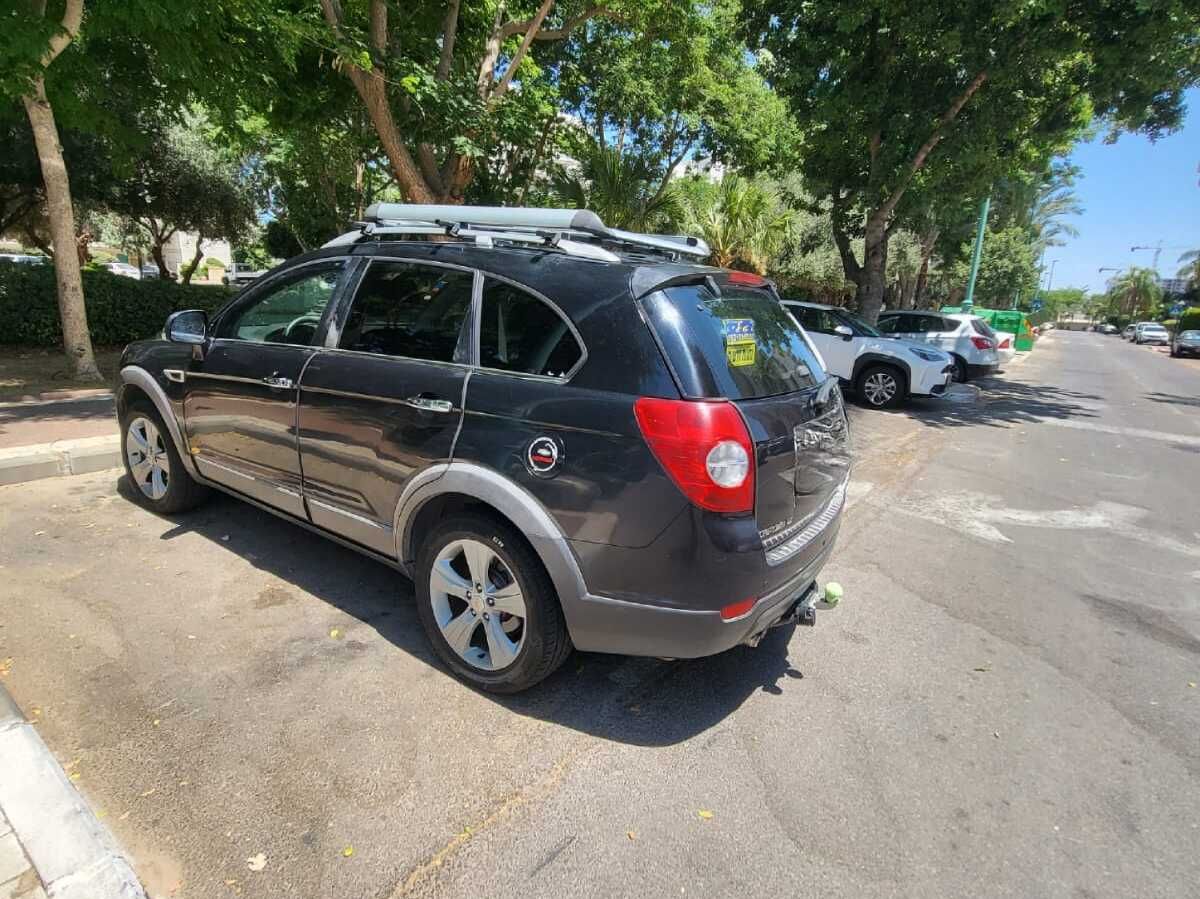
478, 605
880, 388
147, 455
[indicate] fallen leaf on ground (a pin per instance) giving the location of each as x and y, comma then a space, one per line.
335, 633
149, 792
348, 851
1191, 683
981, 668
256, 862
632, 834
705, 814
156, 722
75, 775
39, 533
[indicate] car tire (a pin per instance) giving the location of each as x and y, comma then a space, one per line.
156, 473
881, 386
496, 651
960, 370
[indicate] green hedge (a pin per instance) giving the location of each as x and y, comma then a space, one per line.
119, 309
1190, 319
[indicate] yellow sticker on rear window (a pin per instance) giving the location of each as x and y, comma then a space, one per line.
740, 346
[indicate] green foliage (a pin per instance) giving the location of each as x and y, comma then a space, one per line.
619, 189
119, 309
1007, 270
1190, 319
1136, 291
745, 223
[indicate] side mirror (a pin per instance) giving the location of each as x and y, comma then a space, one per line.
843, 332
189, 326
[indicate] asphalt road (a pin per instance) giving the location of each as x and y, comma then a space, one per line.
1004, 704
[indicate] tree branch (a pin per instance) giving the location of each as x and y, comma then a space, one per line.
933, 140
377, 29
534, 25
429, 168
449, 33
555, 34
71, 20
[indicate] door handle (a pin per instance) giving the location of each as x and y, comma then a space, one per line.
280, 383
425, 404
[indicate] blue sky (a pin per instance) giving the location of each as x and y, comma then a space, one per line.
1133, 193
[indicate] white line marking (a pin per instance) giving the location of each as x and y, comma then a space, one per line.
1164, 436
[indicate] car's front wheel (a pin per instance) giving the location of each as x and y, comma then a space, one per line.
880, 386
488, 606
160, 481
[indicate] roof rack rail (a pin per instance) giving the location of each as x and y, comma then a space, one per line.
565, 229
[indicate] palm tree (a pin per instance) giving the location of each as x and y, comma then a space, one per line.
1136, 289
619, 189
745, 223
1190, 269
1040, 207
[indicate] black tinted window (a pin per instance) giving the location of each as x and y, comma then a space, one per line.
519, 332
890, 325
980, 326
415, 311
740, 345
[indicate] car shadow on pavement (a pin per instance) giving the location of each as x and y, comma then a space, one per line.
639, 701
1003, 403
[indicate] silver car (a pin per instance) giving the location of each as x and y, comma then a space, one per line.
968, 339
1151, 332
1186, 343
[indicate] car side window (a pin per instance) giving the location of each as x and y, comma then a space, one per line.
520, 333
888, 325
288, 311
410, 310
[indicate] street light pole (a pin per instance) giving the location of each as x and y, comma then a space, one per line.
977, 254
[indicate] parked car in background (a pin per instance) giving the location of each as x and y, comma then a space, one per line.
566, 435
883, 371
1151, 332
150, 273
1186, 343
239, 273
1108, 329
968, 339
1006, 346
24, 258
1127, 332
124, 269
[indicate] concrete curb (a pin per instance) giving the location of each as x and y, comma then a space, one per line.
59, 399
84, 455
72, 852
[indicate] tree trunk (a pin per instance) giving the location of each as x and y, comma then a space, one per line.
77, 341
922, 281
872, 281
189, 270
156, 250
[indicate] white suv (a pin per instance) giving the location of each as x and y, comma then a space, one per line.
1151, 332
882, 371
967, 338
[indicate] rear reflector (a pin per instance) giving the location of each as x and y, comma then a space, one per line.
982, 343
686, 437
737, 609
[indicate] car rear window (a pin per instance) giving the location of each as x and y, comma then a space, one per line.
740, 345
982, 327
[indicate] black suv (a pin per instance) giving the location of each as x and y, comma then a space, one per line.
562, 433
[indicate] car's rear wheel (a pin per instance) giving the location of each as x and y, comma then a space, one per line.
160, 481
880, 386
488, 606
960, 369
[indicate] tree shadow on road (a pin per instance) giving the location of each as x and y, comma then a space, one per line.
1174, 399
1003, 403
645, 702
33, 418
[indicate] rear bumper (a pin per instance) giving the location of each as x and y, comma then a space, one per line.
605, 624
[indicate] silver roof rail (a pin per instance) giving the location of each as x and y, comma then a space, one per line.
581, 223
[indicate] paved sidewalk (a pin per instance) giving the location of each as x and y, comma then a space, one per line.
52, 846
48, 438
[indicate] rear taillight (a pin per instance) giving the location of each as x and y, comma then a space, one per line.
1004, 344
982, 343
704, 448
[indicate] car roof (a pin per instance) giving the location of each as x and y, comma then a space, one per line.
550, 272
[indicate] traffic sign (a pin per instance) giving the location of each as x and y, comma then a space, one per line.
1036, 306
1178, 308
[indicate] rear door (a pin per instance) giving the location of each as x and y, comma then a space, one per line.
386, 401
742, 346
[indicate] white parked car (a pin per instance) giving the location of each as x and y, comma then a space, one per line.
1006, 346
882, 371
124, 269
968, 339
1151, 332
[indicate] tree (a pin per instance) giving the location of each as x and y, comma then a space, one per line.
1136, 290
746, 224
619, 189
1189, 268
435, 80
77, 341
1008, 269
1039, 202
897, 98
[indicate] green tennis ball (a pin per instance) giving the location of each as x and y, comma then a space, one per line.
833, 593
